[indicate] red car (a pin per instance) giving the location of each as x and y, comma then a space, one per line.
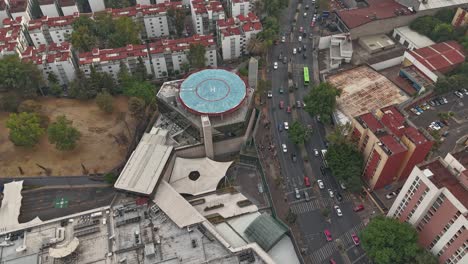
327, 234
306, 181
301, 29
332, 261
312, 24
358, 208
355, 239
281, 104
288, 109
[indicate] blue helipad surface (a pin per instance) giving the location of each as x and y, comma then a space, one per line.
212, 92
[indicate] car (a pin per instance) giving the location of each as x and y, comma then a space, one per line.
285, 59
283, 39
339, 197
280, 56
281, 104
305, 14
301, 29
304, 47
445, 122
294, 51
338, 210
299, 50
316, 152
306, 195
280, 127
304, 55
458, 94
332, 261
439, 123
320, 184
285, 149
419, 109
304, 34
307, 7
298, 104
330, 192
358, 208
280, 90
465, 91
312, 24
355, 239
437, 102
288, 109
343, 186
445, 134
322, 170
275, 65
300, 38
416, 112
390, 195
286, 125
306, 181
444, 100
293, 157
432, 103
297, 193
311, 36
270, 94
314, 18
327, 234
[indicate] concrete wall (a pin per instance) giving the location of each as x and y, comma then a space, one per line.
325, 42
387, 64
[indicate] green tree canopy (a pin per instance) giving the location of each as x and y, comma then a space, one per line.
299, 133
178, 18
387, 241
424, 25
140, 72
196, 56
63, 134
445, 15
117, 3
105, 102
136, 106
25, 129
442, 32
143, 90
346, 164
21, 78
321, 101
425, 257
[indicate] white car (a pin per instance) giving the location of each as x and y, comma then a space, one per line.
300, 38
294, 51
316, 153
286, 125
416, 112
320, 184
270, 94
275, 65
283, 39
338, 210
458, 94
305, 14
285, 149
330, 192
298, 194
343, 186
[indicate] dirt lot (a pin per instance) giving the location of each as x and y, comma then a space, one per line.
103, 143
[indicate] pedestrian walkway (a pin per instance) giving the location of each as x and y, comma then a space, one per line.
301, 208
323, 253
346, 237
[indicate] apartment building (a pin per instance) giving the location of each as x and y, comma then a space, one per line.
48, 30
3, 12
20, 8
108, 60
54, 58
97, 5
157, 23
170, 55
390, 145
239, 7
48, 8
12, 37
234, 34
205, 13
68, 7
434, 199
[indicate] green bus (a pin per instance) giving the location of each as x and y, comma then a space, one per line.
306, 76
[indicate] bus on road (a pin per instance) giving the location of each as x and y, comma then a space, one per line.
306, 76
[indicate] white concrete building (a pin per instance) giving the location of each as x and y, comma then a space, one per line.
341, 50
419, 5
239, 7
53, 58
108, 60
97, 5
48, 30
19, 8
146, 2
3, 12
170, 55
410, 38
48, 8
205, 14
157, 23
234, 34
12, 38
68, 7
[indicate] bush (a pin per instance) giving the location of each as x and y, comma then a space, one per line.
244, 72
25, 129
105, 102
110, 177
63, 134
30, 106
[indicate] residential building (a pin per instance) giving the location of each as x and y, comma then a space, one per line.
48, 30
418, 5
48, 8
205, 14
434, 199
54, 58
12, 37
19, 8
239, 7
108, 60
68, 7
157, 23
97, 5
144, 2
461, 17
170, 55
341, 50
410, 38
3, 12
234, 34
391, 147
422, 67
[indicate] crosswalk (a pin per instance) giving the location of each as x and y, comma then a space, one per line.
300, 208
346, 237
323, 253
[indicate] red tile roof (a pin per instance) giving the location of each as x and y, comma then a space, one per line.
371, 122
392, 144
182, 44
440, 57
202, 6
52, 21
47, 54
17, 6
415, 136
239, 24
66, 2
103, 55
9, 35
393, 120
380, 9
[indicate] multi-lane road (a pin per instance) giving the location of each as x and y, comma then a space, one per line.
311, 219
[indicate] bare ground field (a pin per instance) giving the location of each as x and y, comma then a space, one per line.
102, 146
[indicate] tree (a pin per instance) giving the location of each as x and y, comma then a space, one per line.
105, 102
387, 241
340, 134
80, 87
123, 76
442, 32
424, 25
262, 86
321, 101
63, 134
298, 133
445, 15
425, 257
445, 115
143, 90
117, 3
126, 32
25, 129
346, 164
256, 46
12, 75
9, 102
196, 56
178, 18
140, 73
83, 39
136, 106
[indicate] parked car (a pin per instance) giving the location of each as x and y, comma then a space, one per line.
416, 112
306, 181
419, 109
270, 94
285, 149
327, 234
465, 91
432, 103
307, 7
306, 196
286, 125
339, 197
283, 39
390, 195
320, 184
338, 210
280, 90
330, 192
281, 104
342, 186
458, 94
297, 193
298, 104
275, 65
288, 109
316, 152
355, 239
280, 127
444, 100
358, 208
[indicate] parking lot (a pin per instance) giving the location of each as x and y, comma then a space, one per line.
457, 124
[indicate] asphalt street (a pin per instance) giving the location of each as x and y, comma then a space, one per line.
310, 217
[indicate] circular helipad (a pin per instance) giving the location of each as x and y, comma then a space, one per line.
212, 92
